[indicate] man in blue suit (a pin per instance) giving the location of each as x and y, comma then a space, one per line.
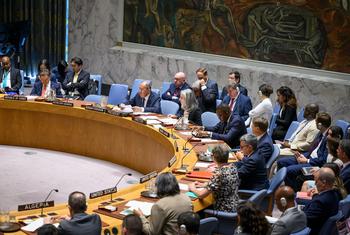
206, 91
265, 144
230, 128
44, 86
10, 78
173, 93
316, 156
324, 204
251, 168
238, 103
145, 100
234, 78
343, 152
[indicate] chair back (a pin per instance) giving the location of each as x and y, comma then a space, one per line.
273, 158
165, 87
272, 123
300, 115
97, 78
344, 206
258, 197
135, 87
329, 227
157, 91
277, 180
249, 130
291, 129
208, 225
118, 94
344, 125
218, 102
209, 119
21, 90
276, 108
305, 231
169, 107
93, 98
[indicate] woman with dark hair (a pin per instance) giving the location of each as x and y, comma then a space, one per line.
251, 220
60, 71
164, 213
288, 113
223, 184
42, 65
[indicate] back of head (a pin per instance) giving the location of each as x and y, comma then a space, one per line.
266, 90
251, 219
132, 225
47, 229
284, 197
334, 167
336, 132
332, 145
220, 153
324, 119
77, 202
250, 139
345, 146
311, 111
261, 123
327, 176
190, 99
188, 223
167, 185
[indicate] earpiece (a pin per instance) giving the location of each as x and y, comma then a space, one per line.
260, 93
283, 202
237, 89
319, 125
183, 229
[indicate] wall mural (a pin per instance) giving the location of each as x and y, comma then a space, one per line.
314, 34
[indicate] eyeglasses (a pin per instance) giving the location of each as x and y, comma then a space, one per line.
242, 146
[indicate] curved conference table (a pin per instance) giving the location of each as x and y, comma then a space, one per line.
97, 135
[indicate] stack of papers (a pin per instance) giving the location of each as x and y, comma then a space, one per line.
145, 207
168, 121
33, 226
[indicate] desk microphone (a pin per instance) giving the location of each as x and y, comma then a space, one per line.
184, 148
183, 168
42, 208
176, 146
115, 187
172, 129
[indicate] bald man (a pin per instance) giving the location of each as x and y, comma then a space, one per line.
179, 84
10, 78
324, 204
292, 220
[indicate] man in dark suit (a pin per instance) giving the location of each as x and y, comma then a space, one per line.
44, 86
265, 144
145, 100
173, 93
207, 92
76, 84
292, 220
239, 103
206, 100
79, 223
230, 128
324, 204
234, 78
251, 167
10, 78
316, 156
343, 152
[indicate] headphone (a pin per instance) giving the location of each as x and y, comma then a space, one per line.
183, 230
260, 93
237, 88
283, 202
319, 125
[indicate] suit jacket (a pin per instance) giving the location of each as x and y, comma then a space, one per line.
207, 100
345, 176
265, 147
195, 116
164, 213
229, 131
322, 153
81, 224
320, 208
172, 90
291, 221
283, 121
153, 102
38, 86
81, 85
15, 78
242, 89
242, 107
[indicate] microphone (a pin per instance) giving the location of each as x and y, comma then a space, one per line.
188, 140
183, 168
172, 129
42, 208
176, 146
126, 174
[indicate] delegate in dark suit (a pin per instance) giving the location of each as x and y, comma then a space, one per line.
283, 121
242, 90
81, 224
81, 85
153, 102
265, 147
291, 221
15, 80
207, 99
38, 86
252, 172
320, 208
242, 106
173, 92
229, 131
345, 176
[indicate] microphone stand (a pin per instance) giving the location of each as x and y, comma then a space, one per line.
183, 167
129, 174
42, 208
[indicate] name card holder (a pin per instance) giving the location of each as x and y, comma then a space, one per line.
96, 109
103, 192
172, 161
15, 97
164, 132
148, 177
36, 205
139, 120
63, 103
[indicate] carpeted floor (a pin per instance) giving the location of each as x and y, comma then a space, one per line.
27, 175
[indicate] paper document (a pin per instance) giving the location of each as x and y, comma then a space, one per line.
168, 121
183, 187
271, 220
187, 133
208, 140
33, 226
203, 164
145, 207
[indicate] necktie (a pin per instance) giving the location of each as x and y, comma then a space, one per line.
315, 143
143, 102
232, 103
43, 91
177, 91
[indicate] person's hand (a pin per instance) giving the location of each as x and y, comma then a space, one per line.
301, 159
192, 186
172, 116
138, 212
137, 109
239, 155
116, 108
2, 90
312, 191
202, 82
285, 144
202, 134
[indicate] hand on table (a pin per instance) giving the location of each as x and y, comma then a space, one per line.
138, 212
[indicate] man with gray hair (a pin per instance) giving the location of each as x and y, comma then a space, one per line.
145, 100
251, 168
324, 204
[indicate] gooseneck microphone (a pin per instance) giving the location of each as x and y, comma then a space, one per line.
184, 148
115, 187
42, 208
183, 168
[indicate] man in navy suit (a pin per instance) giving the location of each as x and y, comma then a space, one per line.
265, 144
206, 92
230, 128
239, 103
173, 93
45, 85
316, 156
251, 167
145, 100
343, 152
234, 78
77, 83
324, 204
10, 78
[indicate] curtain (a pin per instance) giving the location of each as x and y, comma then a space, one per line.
47, 20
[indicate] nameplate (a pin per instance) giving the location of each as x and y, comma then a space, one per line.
36, 205
62, 103
172, 161
96, 109
148, 177
139, 120
15, 97
103, 192
164, 132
